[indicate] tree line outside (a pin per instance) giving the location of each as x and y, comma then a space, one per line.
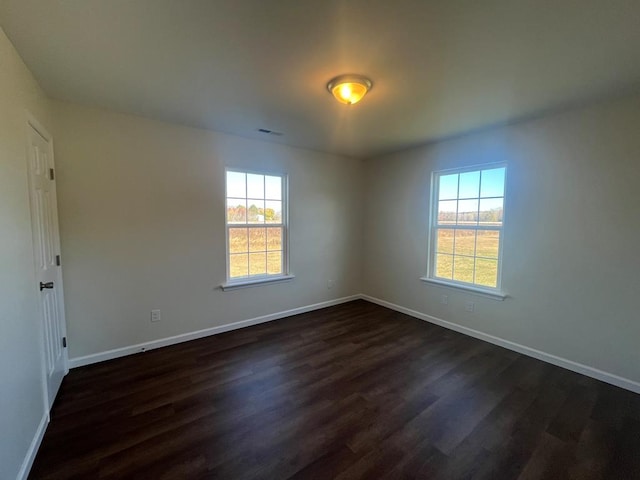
242, 214
493, 216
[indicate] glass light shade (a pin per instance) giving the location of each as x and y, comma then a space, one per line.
349, 89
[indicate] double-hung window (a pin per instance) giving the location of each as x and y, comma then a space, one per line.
466, 231
256, 224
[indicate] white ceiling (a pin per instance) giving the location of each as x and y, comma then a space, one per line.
439, 67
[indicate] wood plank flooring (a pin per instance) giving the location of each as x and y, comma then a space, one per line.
354, 391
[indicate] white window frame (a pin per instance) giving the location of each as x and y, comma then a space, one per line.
255, 280
495, 293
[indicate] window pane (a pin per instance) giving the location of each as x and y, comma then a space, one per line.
257, 239
273, 211
255, 186
468, 203
465, 242
274, 263
257, 263
448, 187
255, 212
238, 240
236, 186
274, 238
488, 244
491, 210
468, 212
487, 272
273, 187
238, 265
444, 266
255, 206
463, 269
445, 241
236, 210
493, 183
447, 212
469, 185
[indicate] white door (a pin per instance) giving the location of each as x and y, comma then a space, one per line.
46, 244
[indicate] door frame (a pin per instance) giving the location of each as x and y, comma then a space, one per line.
33, 124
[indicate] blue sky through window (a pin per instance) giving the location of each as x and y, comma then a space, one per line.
472, 185
253, 186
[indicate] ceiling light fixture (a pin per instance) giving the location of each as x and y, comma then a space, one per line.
349, 89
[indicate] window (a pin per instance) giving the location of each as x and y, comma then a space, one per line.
256, 223
467, 227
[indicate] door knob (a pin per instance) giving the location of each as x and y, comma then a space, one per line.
46, 285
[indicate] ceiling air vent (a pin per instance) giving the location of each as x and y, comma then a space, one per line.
270, 132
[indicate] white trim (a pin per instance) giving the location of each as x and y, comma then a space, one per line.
185, 337
34, 125
38, 127
284, 225
592, 372
27, 463
254, 282
495, 295
434, 226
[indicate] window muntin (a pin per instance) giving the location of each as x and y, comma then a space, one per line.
467, 226
256, 223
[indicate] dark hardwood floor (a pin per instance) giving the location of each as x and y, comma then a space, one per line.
350, 392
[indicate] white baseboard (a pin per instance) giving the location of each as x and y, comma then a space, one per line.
516, 347
33, 448
185, 337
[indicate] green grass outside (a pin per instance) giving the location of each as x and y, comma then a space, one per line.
456, 261
255, 251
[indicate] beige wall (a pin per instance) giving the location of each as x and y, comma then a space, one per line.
142, 226
571, 261
21, 391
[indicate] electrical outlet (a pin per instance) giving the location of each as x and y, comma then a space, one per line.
330, 284
444, 299
469, 306
155, 315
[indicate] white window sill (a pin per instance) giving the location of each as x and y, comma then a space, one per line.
254, 282
493, 294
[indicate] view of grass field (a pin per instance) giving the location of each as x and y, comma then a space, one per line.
471, 199
468, 255
255, 250
254, 216
259, 211
469, 220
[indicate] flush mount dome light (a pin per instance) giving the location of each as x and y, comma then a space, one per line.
349, 89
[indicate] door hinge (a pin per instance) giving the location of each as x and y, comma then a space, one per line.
52, 175
64, 342
58, 260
